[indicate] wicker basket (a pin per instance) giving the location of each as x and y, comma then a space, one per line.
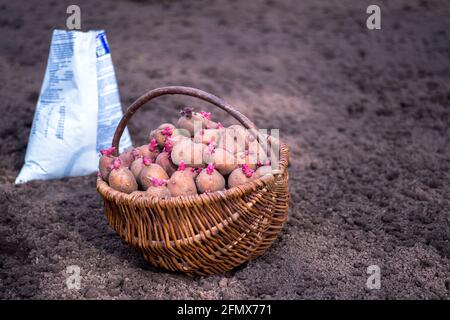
200, 234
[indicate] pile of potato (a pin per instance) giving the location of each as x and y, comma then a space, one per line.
196, 156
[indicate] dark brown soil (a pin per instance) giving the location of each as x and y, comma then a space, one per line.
365, 113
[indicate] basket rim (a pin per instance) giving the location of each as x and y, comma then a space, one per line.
139, 199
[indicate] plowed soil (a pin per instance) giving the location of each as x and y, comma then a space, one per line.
366, 114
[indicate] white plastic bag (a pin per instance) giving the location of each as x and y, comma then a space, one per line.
77, 111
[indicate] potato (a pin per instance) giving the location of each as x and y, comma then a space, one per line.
146, 151
189, 152
194, 172
210, 180
158, 188
104, 166
105, 162
251, 159
232, 141
160, 192
180, 132
207, 136
262, 171
174, 140
136, 167
127, 157
165, 130
246, 135
190, 121
240, 176
207, 122
195, 121
149, 171
121, 178
164, 161
181, 183
223, 160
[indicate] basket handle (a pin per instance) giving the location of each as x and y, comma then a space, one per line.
187, 91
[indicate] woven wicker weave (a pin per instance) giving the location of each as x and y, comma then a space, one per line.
200, 234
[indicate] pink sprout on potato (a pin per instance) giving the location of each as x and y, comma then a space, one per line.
181, 166
157, 182
211, 147
247, 171
146, 161
210, 169
167, 131
136, 154
116, 164
107, 152
168, 146
206, 115
187, 112
153, 144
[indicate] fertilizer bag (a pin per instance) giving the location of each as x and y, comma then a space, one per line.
77, 111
